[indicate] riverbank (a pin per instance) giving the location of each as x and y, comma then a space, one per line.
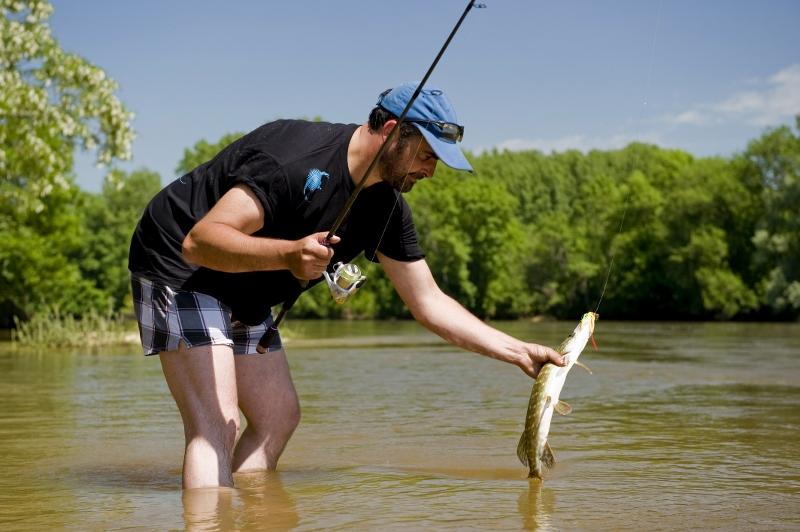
103, 331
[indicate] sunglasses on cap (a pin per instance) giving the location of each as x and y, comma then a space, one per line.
443, 130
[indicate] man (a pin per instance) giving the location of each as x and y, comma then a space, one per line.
219, 246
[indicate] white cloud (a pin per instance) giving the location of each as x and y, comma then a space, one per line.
572, 142
743, 102
772, 101
695, 118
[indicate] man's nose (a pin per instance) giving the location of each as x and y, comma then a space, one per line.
430, 169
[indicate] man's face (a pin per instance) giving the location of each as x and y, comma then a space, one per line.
406, 162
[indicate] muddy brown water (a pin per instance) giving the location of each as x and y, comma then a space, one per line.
682, 426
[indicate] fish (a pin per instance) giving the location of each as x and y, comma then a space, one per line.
533, 449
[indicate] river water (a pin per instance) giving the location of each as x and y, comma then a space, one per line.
682, 426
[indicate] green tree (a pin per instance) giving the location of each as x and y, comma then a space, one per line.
51, 102
709, 217
110, 218
474, 242
772, 163
39, 255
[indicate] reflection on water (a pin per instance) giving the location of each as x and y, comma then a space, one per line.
681, 426
258, 502
536, 505
209, 509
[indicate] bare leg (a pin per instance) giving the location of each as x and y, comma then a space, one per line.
203, 383
269, 402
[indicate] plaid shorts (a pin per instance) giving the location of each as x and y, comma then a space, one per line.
167, 316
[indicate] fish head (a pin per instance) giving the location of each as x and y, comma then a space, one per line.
587, 321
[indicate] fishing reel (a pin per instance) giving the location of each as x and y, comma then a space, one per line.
344, 281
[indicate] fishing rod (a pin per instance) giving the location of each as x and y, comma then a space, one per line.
353, 274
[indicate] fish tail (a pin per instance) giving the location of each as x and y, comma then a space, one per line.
545, 460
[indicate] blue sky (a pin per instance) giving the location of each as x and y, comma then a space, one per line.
704, 76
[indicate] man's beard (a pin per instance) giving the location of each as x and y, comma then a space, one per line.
394, 165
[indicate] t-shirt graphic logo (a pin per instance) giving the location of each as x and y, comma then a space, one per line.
314, 181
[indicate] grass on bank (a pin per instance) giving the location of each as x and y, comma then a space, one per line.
51, 328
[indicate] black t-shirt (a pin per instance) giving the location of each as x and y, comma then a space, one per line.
298, 171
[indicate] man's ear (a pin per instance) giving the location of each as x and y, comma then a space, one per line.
388, 126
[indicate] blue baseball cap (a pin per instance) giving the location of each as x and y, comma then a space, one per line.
434, 117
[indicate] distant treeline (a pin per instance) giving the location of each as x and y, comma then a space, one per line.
530, 234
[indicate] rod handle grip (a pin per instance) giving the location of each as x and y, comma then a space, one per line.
266, 339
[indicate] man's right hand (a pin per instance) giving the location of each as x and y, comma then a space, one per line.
311, 256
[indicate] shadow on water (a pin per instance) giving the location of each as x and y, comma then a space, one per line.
126, 476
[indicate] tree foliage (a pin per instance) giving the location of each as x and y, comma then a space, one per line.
51, 102
110, 218
771, 166
73, 255
37, 266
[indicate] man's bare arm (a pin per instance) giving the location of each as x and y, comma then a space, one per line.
222, 241
446, 317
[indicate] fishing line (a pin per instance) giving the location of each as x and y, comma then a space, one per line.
639, 119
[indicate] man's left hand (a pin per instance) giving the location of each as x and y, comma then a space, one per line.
538, 356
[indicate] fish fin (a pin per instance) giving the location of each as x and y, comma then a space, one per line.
522, 448
563, 408
547, 402
548, 458
584, 366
